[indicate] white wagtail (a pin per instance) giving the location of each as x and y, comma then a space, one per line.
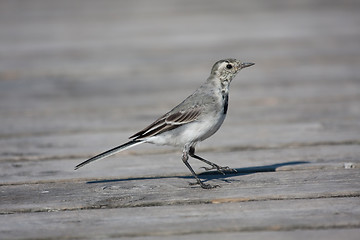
195, 119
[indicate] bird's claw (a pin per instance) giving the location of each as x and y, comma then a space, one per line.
204, 185
220, 169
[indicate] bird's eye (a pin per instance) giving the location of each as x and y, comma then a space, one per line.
229, 66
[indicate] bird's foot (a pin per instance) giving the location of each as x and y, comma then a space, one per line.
204, 185
220, 169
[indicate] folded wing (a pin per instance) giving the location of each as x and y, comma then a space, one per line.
168, 122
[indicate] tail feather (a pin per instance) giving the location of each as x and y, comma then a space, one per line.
110, 152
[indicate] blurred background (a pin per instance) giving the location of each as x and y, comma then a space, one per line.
76, 69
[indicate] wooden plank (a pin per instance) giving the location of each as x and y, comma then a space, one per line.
183, 220
140, 163
85, 111
263, 136
175, 190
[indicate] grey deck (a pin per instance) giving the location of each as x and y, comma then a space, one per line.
79, 77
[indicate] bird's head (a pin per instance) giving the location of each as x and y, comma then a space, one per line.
227, 69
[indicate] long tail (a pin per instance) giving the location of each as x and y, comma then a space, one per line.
110, 152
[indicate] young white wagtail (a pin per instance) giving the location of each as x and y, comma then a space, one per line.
195, 119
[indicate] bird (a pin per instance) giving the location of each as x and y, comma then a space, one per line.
195, 119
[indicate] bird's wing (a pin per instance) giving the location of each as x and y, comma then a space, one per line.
168, 122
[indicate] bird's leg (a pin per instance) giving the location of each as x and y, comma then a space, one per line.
185, 158
213, 165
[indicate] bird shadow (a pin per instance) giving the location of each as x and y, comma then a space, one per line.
211, 175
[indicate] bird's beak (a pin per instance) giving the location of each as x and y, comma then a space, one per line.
245, 65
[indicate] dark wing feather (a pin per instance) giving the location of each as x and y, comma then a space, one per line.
168, 122
159, 121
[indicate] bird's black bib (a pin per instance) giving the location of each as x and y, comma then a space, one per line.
226, 102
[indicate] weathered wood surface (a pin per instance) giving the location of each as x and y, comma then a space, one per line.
79, 77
